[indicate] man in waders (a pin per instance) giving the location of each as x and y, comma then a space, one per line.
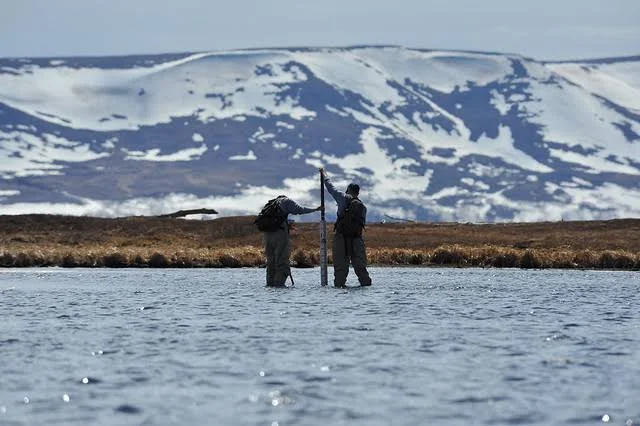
272, 220
348, 245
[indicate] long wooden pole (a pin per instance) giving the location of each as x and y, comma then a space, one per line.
323, 235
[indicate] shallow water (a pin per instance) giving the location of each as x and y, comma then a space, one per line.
422, 346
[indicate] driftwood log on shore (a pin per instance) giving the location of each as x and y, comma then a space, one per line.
183, 213
50, 240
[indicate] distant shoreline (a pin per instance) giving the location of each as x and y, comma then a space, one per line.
70, 241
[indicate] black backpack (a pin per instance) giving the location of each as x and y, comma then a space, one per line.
351, 223
270, 217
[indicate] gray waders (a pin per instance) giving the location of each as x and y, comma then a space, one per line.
276, 249
347, 250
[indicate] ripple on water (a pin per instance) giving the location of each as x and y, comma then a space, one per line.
557, 336
104, 352
127, 409
558, 362
275, 382
514, 379
590, 419
90, 380
479, 399
617, 353
315, 378
519, 419
277, 398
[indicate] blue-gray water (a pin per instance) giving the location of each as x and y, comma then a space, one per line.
422, 346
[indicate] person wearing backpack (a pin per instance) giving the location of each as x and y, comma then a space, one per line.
348, 244
272, 221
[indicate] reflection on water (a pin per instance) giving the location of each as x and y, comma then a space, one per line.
422, 346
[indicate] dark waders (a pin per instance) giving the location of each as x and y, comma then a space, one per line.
347, 250
277, 247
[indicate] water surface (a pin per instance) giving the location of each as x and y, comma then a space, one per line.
421, 346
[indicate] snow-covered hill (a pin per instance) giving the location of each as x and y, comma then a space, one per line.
429, 135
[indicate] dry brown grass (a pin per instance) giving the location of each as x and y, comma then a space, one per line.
48, 240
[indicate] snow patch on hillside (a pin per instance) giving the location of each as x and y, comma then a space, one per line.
249, 156
24, 154
619, 83
442, 71
188, 154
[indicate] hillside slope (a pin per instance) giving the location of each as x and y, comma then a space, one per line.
429, 135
